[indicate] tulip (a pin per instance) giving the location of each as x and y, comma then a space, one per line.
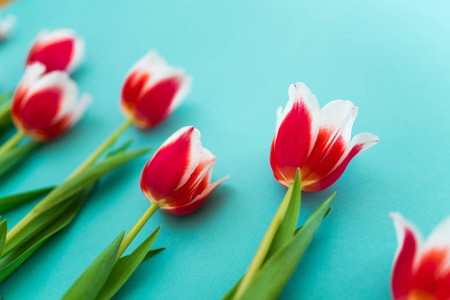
421, 270
45, 105
176, 179
6, 26
316, 141
58, 50
153, 90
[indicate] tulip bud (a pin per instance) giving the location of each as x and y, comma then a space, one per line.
6, 26
177, 178
421, 269
316, 141
57, 50
45, 104
153, 90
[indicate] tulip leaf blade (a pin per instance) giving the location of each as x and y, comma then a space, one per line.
87, 177
152, 253
125, 267
289, 224
20, 254
273, 276
3, 232
90, 283
12, 201
13, 157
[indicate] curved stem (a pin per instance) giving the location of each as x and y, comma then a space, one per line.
136, 228
12, 142
111, 139
264, 247
14, 231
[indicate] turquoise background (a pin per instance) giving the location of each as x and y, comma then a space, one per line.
391, 58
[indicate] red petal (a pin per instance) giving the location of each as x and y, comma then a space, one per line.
402, 273
40, 109
164, 172
55, 56
293, 140
154, 106
131, 89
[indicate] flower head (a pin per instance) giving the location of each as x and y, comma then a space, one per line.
178, 176
153, 90
6, 26
421, 270
57, 50
316, 141
45, 104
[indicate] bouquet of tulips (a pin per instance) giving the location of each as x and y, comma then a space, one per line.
310, 150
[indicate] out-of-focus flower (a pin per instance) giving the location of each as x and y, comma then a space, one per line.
421, 270
57, 50
316, 141
45, 104
153, 90
6, 26
177, 178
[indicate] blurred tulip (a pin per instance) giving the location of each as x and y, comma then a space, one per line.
45, 104
153, 90
421, 270
57, 50
6, 26
178, 176
316, 141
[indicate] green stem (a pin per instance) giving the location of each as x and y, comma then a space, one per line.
264, 247
12, 142
136, 228
17, 229
111, 139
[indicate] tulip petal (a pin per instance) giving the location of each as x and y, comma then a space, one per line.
359, 143
192, 206
409, 241
172, 164
58, 50
336, 122
296, 132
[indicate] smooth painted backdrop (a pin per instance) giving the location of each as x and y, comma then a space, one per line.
391, 58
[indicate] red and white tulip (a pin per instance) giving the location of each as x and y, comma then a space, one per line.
421, 269
57, 50
177, 178
45, 104
153, 90
316, 141
6, 26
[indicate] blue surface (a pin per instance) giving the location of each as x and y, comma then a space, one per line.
391, 58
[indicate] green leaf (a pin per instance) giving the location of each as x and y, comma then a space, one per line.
79, 182
3, 231
152, 253
229, 295
273, 276
288, 225
90, 283
20, 254
37, 224
5, 117
125, 267
120, 149
14, 156
9, 202
149, 254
